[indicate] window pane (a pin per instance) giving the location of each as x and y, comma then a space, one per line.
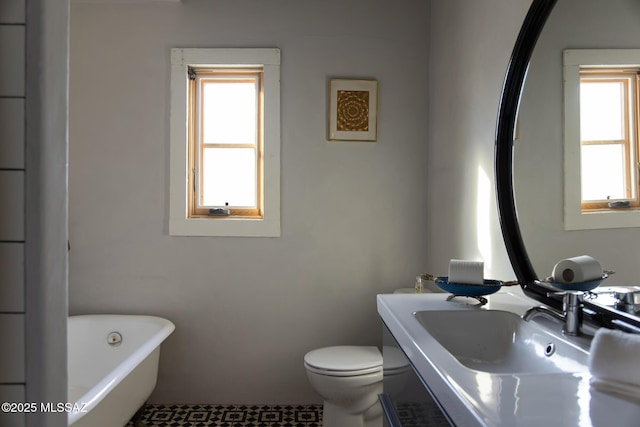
229, 176
603, 172
601, 111
229, 112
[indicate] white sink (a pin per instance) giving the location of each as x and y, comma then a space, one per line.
487, 367
500, 342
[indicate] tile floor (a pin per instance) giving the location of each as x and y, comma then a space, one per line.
410, 414
229, 416
421, 414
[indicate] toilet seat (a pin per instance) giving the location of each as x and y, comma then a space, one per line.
344, 361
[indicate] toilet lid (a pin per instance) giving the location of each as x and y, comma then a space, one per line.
346, 358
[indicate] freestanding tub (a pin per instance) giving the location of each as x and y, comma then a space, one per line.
112, 363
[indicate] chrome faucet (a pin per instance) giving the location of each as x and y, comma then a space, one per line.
571, 314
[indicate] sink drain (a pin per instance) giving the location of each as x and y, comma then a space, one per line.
549, 349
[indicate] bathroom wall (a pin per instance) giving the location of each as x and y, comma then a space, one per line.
33, 212
355, 215
574, 24
470, 46
12, 172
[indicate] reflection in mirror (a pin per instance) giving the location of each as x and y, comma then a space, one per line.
539, 151
601, 138
538, 166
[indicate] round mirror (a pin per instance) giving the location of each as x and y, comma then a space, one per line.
531, 149
539, 149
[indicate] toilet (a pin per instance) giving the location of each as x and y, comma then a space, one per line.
349, 379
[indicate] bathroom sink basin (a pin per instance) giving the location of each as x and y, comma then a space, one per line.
500, 342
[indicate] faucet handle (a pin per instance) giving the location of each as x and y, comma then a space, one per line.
571, 310
572, 307
571, 300
562, 295
557, 295
627, 299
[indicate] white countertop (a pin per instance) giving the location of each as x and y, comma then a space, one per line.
475, 398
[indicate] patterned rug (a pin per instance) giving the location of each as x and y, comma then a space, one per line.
228, 416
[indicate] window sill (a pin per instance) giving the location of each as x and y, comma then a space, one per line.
225, 227
206, 216
603, 210
602, 219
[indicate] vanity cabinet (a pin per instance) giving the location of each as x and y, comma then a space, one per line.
406, 399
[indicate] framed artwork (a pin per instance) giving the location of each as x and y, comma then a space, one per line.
353, 110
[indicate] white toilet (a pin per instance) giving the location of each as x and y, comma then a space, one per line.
349, 379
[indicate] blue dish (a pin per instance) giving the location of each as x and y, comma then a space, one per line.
582, 286
489, 287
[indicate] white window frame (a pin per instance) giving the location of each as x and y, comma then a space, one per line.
574, 217
179, 222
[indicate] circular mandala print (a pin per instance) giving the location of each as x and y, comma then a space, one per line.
353, 111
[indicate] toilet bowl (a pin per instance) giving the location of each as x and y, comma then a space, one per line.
349, 379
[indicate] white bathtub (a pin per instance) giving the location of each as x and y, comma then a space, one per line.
108, 383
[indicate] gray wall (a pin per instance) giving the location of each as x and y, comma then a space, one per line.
46, 204
354, 214
12, 238
470, 46
574, 24
33, 212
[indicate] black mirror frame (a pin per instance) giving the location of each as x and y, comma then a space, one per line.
505, 130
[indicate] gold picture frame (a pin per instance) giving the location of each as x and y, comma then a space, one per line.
353, 110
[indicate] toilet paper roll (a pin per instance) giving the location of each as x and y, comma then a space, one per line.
577, 270
466, 272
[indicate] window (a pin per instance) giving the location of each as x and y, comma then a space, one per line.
608, 126
601, 138
225, 142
